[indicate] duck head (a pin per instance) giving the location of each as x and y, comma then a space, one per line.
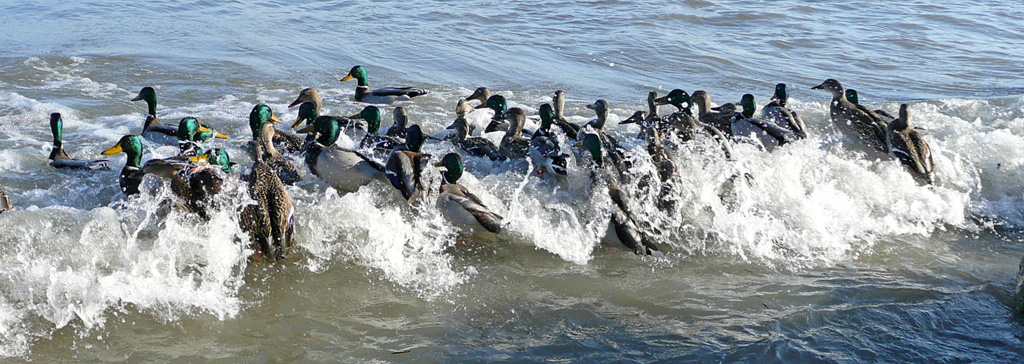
903, 122
547, 116
559, 101
726, 108
462, 108
498, 104
308, 95
516, 118
149, 95
307, 113
188, 127
371, 114
748, 105
637, 118
702, 100
327, 130
131, 146
401, 120
414, 138
261, 113
480, 94
781, 94
358, 73
216, 157
453, 167
600, 107
833, 86
57, 128
851, 96
675, 98
593, 144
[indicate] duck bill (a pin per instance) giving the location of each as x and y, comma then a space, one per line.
661, 100
137, 98
275, 119
818, 87
356, 117
220, 136
590, 106
114, 150
295, 103
306, 130
438, 164
717, 108
198, 158
347, 77
297, 123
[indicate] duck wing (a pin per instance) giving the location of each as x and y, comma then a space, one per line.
472, 204
399, 91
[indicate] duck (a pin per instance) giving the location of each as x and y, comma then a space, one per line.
345, 170
688, 127
705, 114
5, 202
769, 134
481, 94
386, 95
269, 156
649, 132
852, 96
191, 131
458, 204
131, 175
405, 166
571, 130
59, 158
544, 150
854, 121
153, 130
624, 226
907, 145
310, 95
597, 126
779, 113
308, 113
372, 140
269, 221
474, 146
401, 121
513, 144
216, 157
261, 113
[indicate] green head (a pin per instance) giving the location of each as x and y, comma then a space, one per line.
593, 143
547, 116
57, 128
781, 94
130, 145
219, 157
851, 96
260, 114
307, 112
498, 104
188, 127
749, 106
414, 138
676, 98
327, 128
453, 166
372, 116
358, 73
149, 95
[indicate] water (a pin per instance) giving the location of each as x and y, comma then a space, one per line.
826, 257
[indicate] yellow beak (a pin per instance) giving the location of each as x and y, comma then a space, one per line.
275, 119
198, 158
347, 77
297, 123
308, 129
220, 136
116, 149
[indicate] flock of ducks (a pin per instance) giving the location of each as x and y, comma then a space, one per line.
395, 156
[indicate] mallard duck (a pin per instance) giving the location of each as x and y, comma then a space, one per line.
401, 120
499, 105
513, 145
59, 158
273, 159
191, 131
851, 96
686, 125
474, 146
779, 113
571, 130
597, 126
457, 204
385, 95
404, 167
308, 113
261, 113
544, 150
5, 202
372, 140
767, 133
153, 129
906, 144
480, 94
131, 174
216, 157
705, 114
344, 169
624, 226
308, 95
852, 120
450, 133
269, 221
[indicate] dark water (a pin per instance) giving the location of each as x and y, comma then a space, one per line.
827, 257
